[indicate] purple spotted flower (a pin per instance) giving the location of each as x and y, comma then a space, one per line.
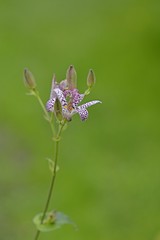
53, 95
69, 97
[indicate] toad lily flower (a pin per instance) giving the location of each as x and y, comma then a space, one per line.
69, 99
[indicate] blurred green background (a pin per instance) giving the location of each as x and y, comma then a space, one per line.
109, 178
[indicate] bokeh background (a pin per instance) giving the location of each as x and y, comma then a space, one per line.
109, 178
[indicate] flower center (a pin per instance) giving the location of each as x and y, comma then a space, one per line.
69, 106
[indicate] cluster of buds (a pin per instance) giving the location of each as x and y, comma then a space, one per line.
65, 97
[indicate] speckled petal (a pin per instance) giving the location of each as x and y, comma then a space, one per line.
83, 113
82, 109
88, 104
61, 97
77, 99
50, 104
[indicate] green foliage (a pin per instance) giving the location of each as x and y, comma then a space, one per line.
51, 165
52, 221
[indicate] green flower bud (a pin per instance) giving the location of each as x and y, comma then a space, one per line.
91, 79
71, 77
29, 80
58, 110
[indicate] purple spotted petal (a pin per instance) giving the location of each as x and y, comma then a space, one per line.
50, 105
83, 113
61, 97
88, 104
67, 93
77, 98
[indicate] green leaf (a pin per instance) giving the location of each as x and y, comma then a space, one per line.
52, 220
51, 165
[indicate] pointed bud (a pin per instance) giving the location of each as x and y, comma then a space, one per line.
29, 80
63, 85
71, 77
54, 85
58, 110
91, 79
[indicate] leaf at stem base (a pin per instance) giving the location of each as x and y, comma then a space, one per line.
52, 221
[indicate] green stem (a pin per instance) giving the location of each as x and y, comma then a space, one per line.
57, 140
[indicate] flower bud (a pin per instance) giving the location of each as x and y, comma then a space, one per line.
29, 80
91, 79
58, 110
71, 77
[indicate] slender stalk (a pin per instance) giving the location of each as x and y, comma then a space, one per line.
52, 182
57, 140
